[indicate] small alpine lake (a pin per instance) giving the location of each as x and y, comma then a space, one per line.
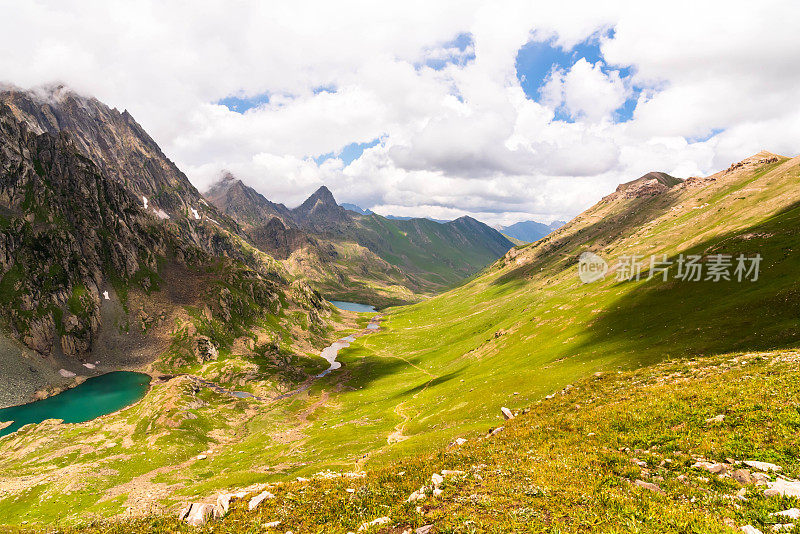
99, 395
353, 306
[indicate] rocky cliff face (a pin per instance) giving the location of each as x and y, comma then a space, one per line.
88, 204
245, 205
113, 140
67, 232
649, 185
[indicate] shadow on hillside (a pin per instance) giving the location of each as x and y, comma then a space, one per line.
563, 252
363, 367
677, 318
429, 383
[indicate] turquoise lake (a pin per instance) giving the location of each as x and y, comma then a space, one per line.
353, 306
97, 396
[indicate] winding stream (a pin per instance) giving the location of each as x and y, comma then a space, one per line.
330, 352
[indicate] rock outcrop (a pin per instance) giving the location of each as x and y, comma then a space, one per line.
69, 231
196, 514
650, 185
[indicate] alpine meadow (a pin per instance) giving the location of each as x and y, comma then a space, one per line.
399, 268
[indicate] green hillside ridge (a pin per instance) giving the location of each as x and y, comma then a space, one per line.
523, 329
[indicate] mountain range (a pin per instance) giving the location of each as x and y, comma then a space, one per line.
105, 245
529, 231
383, 260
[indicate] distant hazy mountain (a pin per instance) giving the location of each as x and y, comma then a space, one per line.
363, 211
399, 218
530, 231
355, 208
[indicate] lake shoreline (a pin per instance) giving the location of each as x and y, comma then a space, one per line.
104, 395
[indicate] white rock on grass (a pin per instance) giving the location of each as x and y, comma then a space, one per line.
437, 479
425, 529
374, 523
762, 466
271, 524
496, 431
791, 513
648, 486
418, 495
196, 514
507, 414
460, 441
750, 529
224, 502
258, 499
711, 467
760, 479
784, 488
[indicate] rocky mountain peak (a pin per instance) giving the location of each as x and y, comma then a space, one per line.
227, 182
320, 211
651, 184
114, 141
245, 204
323, 195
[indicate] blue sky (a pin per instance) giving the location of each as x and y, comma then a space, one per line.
349, 153
242, 104
537, 59
461, 52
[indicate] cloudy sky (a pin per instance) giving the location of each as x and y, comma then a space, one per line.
505, 110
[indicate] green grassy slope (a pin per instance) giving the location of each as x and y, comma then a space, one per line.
530, 326
388, 262
439, 255
571, 463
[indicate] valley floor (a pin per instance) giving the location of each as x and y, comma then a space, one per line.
660, 449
